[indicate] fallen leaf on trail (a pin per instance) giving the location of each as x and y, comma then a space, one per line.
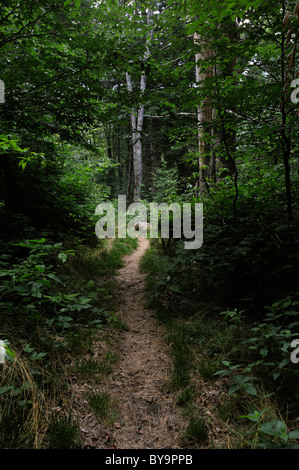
88, 442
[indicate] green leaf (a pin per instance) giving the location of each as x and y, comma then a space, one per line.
251, 390
9, 352
276, 429
39, 355
221, 372
241, 379
5, 389
233, 389
255, 416
84, 300
294, 434
283, 363
264, 351
36, 289
226, 363
63, 257
55, 278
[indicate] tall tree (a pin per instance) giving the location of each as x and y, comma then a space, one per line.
137, 115
204, 109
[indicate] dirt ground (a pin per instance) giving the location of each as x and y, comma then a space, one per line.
147, 417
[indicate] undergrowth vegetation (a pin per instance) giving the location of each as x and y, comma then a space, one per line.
54, 302
231, 309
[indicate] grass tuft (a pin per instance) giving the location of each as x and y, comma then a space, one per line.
197, 430
103, 405
64, 433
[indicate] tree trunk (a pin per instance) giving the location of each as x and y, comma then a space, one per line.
129, 175
137, 118
204, 111
285, 137
136, 127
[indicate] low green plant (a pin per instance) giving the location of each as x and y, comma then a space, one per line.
278, 429
165, 184
276, 432
240, 382
88, 367
115, 322
181, 353
270, 341
197, 429
107, 361
103, 405
80, 340
63, 433
33, 354
207, 366
185, 396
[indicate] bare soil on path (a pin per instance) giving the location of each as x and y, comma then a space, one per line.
148, 417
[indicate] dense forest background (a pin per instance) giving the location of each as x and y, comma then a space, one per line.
169, 101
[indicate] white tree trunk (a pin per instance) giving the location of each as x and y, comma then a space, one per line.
137, 118
204, 110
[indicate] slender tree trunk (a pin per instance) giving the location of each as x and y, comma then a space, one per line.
129, 175
204, 111
286, 140
137, 118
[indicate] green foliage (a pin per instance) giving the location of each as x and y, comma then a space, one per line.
88, 367
52, 306
251, 340
270, 341
79, 340
197, 429
97, 366
165, 184
185, 397
242, 383
104, 406
8, 145
279, 437
64, 148
31, 287
64, 433
278, 429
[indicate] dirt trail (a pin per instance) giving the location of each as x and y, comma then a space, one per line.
148, 417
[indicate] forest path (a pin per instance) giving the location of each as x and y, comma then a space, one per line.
147, 414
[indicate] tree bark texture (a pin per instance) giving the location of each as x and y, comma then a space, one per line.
137, 118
